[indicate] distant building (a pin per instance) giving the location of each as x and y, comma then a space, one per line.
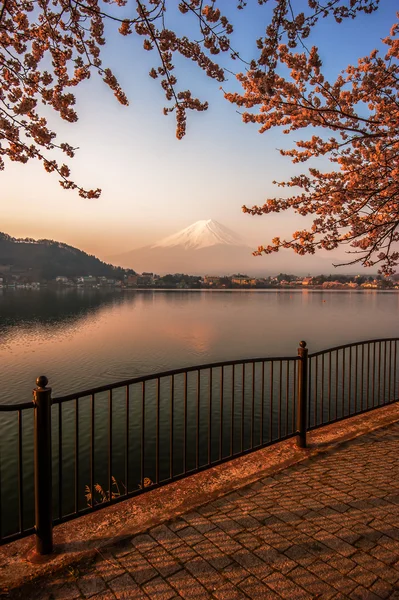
211, 279
307, 281
243, 280
145, 279
87, 280
131, 280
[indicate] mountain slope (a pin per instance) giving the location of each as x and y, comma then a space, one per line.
209, 248
204, 247
48, 259
201, 235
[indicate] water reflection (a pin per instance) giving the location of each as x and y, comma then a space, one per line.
21, 309
84, 338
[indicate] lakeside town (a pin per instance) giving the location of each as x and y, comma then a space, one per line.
18, 279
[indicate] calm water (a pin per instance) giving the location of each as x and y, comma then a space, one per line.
81, 339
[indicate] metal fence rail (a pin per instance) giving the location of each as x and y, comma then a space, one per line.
103, 445
351, 379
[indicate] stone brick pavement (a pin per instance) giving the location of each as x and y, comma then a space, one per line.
324, 528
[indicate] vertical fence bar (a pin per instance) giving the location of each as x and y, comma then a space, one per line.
242, 406
394, 372
198, 419
185, 425
280, 388
172, 394
311, 395
316, 387
385, 372
379, 374
127, 426
294, 399
322, 390
373, 374
368, 375
157, 431
232, 411
92, 454
271, 400
253, 405
329, 386
142, 436
210, 418
336, 384
302, 394
60, 461
20, 475
287, 391
350, 381
343, 383
76, 455
43, 467
356, 369
262, 413
221, 413
110, 445
362, 381
390, 370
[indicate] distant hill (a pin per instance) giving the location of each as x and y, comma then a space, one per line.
48, 259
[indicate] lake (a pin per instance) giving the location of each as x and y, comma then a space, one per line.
164, 428
81, 339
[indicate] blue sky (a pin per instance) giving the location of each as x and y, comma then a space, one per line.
152, 183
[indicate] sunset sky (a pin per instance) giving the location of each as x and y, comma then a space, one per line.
153, 184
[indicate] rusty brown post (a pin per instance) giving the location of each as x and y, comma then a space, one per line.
43, 467
302, 407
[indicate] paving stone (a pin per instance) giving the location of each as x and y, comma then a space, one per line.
91, 584
187, 586
67, 591
165, 536
108, 567
213, 555
228, 592
198, 521
124, 588
191, 536
311, 583
285, 587
362, 576
163, 561
138, 567
205, 573
252, 564
255, 589
159, 589
235, 572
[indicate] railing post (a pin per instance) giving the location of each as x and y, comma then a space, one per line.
302, 407
43, 467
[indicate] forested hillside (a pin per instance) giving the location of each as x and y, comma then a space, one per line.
50, 259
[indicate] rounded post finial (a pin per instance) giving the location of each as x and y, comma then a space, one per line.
42, 381
302, 344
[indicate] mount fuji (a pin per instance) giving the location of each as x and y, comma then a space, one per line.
205, 247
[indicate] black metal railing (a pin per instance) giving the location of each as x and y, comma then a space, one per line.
103, 445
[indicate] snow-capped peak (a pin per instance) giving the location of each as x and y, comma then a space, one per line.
200, 235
